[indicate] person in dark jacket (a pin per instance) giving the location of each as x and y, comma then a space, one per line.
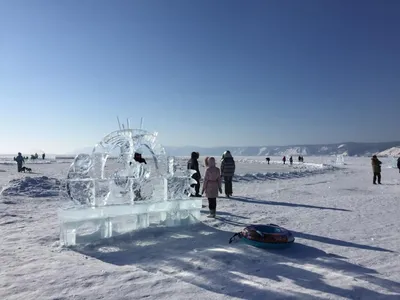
376, 168
398, 164
138, 157
291, 160
268, 159
193, 164
20, 160
227, 171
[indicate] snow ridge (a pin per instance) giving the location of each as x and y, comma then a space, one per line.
33, 187
317, 169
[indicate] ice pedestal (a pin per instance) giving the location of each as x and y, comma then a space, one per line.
89, 224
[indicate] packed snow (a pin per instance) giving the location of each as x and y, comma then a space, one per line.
346, 229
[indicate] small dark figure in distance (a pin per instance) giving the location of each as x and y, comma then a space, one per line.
376, 168
268, 159
138, 157
398, 164
43, 156
26, 169
20, 160
291, 160
193, 164
284, 160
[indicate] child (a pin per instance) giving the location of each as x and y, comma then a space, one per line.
211, 185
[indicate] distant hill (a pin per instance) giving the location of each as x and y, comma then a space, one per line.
350, 149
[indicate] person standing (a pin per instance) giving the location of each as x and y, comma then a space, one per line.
212, 185
376, 168
20, 160
227, 171
193, 164
398, 164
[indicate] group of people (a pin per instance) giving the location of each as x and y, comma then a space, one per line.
212, 183
301, 159
376, 168
290, 160
20, 159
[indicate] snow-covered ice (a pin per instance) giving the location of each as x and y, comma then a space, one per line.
347, 239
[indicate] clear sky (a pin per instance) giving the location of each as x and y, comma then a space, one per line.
205, 72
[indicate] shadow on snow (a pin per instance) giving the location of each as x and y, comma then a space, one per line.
200, 255
278, 203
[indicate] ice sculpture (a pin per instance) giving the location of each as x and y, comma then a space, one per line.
340, 159
132, 196
393, 162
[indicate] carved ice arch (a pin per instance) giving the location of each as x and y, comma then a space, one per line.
128, 141
88, 168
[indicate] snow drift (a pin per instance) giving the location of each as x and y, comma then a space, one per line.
33, 187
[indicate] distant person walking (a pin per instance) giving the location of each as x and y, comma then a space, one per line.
228, 167
376, 168
43, 156
284, 160
20, 160
212, 185
193, 164
291, 160
268, 159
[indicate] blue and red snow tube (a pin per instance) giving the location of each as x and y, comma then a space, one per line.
265, 236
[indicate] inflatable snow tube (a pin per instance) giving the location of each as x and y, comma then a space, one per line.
266, 236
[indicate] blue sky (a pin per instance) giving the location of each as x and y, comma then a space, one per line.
206, 73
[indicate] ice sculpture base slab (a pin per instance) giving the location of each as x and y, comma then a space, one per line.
85, 225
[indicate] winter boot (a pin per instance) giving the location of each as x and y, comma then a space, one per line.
212, 213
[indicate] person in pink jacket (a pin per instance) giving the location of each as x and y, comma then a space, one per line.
206, 161
212, 185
